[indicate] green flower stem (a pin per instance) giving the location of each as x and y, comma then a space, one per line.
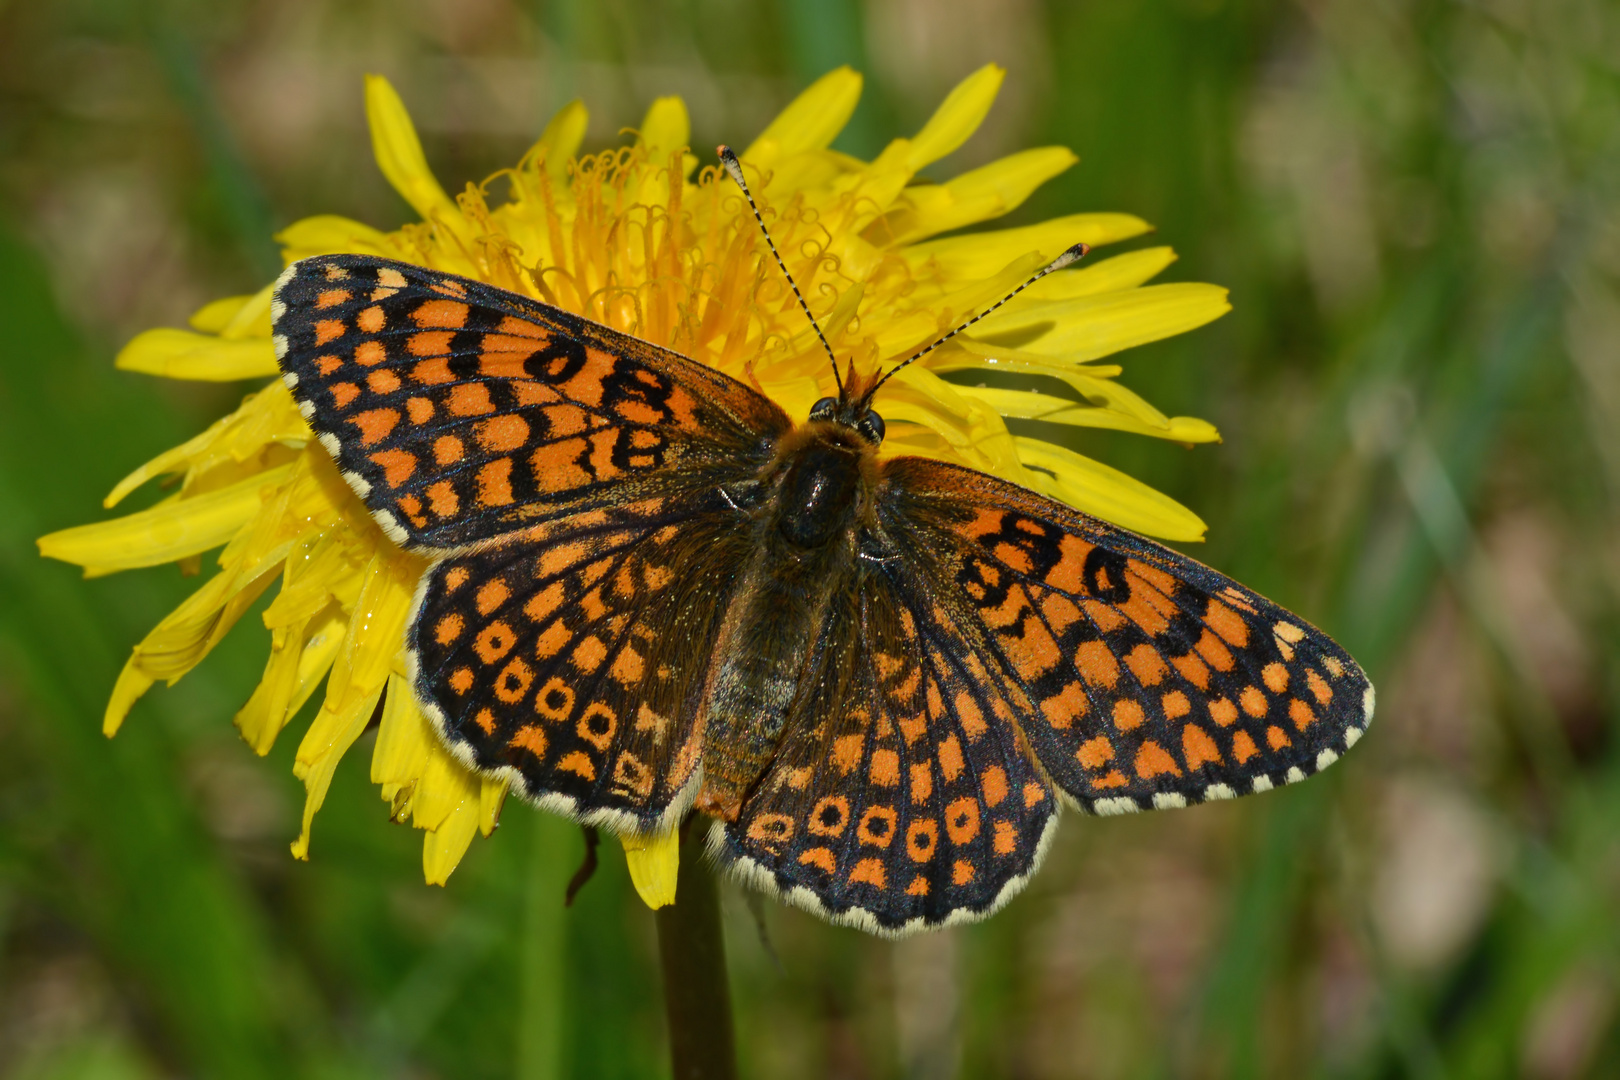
692, 953
543, 956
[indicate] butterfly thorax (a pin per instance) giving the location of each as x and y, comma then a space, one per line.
826, 471
815, 497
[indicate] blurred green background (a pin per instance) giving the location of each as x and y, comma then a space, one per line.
1416, 204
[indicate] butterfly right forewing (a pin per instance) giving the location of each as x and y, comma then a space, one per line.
1148, 680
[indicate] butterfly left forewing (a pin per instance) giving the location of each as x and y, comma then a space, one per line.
459, 411
1148, 680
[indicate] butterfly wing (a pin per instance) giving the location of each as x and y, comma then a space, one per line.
901, 798
1007, 645
1143, 679
460, 411
571, 657
571, 480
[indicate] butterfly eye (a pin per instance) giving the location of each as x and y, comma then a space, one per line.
823, 409
871, 426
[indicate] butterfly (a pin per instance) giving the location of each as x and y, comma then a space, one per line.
652, 591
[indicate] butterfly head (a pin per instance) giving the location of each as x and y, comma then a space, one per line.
852, 408
867, 423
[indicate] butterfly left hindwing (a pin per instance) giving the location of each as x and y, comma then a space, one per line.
570, 657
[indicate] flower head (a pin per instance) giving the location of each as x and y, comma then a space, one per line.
642, 239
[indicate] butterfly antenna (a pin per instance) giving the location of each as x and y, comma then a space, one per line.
1074, 254
734, 167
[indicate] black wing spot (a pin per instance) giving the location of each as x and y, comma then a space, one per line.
559, 361
1104, 576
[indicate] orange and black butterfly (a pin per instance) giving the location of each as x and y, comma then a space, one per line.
653, 591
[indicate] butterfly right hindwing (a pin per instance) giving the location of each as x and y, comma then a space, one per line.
902, 798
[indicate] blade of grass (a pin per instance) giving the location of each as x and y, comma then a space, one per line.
247, 209
153, 893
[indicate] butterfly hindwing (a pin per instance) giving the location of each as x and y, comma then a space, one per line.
571, 657
1149, 680
460, 411
901, 797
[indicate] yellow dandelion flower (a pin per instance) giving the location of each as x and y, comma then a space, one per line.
639, 239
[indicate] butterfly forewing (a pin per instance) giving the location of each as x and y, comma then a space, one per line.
1149, 679
460, 411
903, 796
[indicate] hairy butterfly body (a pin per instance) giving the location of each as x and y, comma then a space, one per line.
652, 591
